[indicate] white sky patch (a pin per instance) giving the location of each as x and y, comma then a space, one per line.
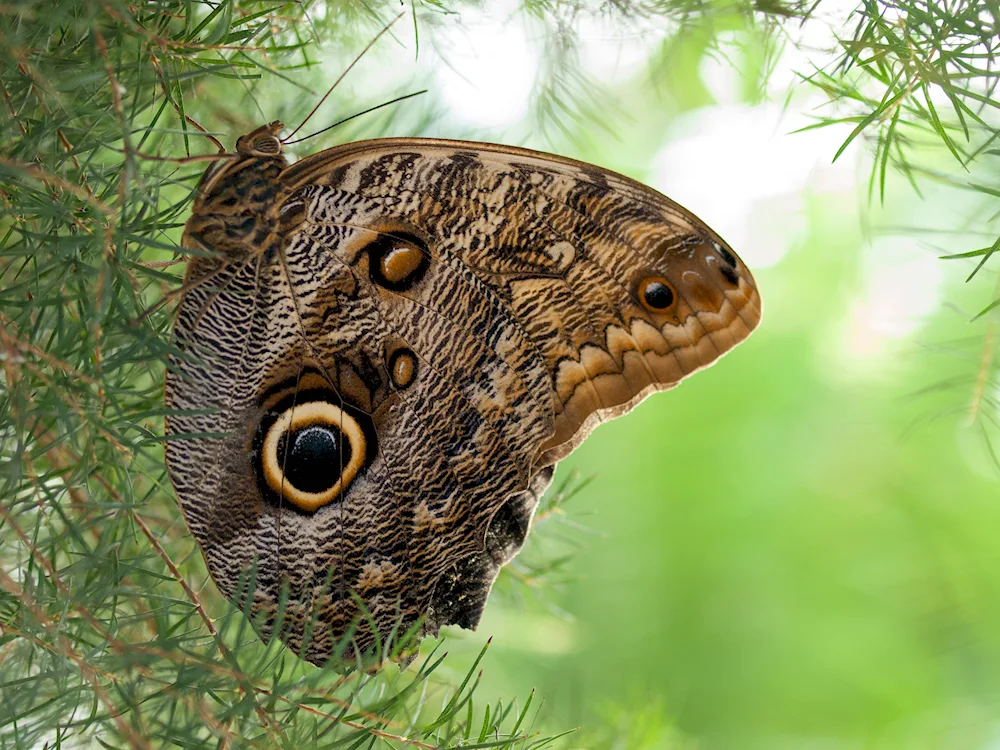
743, 171
488, 70
718, 70
901, 288
812, 45
609, 53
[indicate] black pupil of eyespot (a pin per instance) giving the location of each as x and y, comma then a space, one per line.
658, 295
314, 457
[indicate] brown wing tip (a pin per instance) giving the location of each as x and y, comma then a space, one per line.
699, 304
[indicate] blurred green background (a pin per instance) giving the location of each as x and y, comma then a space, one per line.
796, 548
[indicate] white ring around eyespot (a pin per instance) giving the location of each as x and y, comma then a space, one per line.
296, 418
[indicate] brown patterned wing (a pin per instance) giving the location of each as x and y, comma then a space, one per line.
373, 394
571, 250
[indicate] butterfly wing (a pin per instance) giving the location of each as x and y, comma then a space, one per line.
564, 245
457, 317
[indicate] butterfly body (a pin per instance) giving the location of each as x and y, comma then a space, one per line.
385, 348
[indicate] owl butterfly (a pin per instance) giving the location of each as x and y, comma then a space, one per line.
384, 349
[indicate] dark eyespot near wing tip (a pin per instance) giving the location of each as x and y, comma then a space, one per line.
725, 254
729, 275
658, 295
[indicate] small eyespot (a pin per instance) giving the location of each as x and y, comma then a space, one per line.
398, 260
729, 275
402, 367
311, 453
655, 293
724, 253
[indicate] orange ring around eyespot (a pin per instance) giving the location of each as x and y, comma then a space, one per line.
305, 415
647, 282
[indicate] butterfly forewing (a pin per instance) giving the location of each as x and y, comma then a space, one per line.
566, 246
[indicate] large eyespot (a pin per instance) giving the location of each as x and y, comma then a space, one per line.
311, 453
655, 293
397, 260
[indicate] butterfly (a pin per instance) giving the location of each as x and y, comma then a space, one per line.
382, 351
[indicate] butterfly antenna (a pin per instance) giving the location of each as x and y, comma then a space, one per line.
356, 114
342, 75
173, 159
195, 124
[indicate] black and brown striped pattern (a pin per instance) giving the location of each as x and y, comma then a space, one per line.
551, 295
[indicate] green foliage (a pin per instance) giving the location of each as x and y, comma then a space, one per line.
917, 79
916, 74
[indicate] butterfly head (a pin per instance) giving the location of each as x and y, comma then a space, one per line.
262, 142
234, 211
